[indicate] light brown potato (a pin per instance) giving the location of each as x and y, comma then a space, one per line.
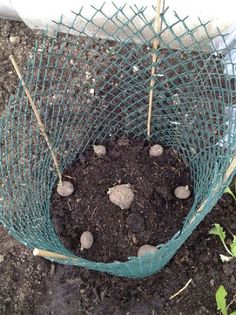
99, 150
121, 195
86, 240
146, 249
65, 189
156, 150
182, 192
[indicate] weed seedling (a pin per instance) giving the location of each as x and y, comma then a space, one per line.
231, 249
221, 302
229, 191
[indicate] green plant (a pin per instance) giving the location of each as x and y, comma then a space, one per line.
221, 302
231, 249
229, 191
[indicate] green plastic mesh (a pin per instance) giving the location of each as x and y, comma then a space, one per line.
89, 90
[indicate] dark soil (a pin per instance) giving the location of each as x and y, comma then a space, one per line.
155, 214
30, 285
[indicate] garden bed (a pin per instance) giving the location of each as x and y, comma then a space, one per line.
32, 285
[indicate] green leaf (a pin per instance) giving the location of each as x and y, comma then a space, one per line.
221, 300
233, 246
234, 313
218, 230
229, 191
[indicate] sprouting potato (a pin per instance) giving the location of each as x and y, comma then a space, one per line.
182, 192
99, 150
65, 188
86, 240
156, 150
121, 195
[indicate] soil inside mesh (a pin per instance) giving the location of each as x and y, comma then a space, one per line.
154, 216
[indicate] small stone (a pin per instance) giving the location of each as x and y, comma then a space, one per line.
14, 40
1, 258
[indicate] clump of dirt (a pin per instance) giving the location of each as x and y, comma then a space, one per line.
153, 217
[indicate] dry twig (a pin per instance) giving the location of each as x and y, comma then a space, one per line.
181, 290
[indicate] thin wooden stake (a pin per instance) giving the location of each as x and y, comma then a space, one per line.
36, 113
48, 254
155, 44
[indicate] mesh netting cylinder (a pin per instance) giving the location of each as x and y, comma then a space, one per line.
88, 90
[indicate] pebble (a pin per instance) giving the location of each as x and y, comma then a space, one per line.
14, 40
